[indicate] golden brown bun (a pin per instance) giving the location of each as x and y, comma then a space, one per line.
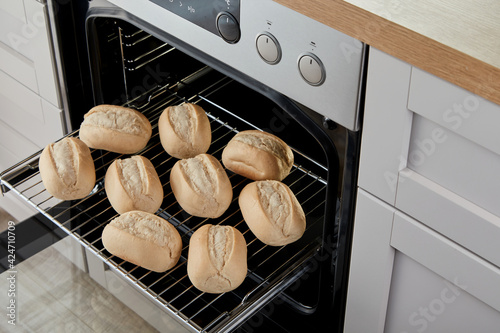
217, 258
133, 184
67, 169
143, 239
258, 155
272, 212
184, 130
201, 186
115, 128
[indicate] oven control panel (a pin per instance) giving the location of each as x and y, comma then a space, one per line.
218, 16
303, 59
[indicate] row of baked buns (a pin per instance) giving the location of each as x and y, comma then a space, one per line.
217, 254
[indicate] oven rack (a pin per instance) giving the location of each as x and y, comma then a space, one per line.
270, 269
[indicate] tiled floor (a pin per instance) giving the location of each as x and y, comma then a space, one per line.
4, 219
53, 295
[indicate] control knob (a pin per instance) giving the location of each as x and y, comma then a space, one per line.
311, 68
268, 47
228, 27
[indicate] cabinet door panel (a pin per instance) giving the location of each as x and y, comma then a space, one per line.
371, 265
422, 301
447, 259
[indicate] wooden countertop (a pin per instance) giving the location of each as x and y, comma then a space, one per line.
458, 41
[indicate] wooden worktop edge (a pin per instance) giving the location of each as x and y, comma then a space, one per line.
420, 51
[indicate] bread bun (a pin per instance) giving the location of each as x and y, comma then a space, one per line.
201, 186
133, 184
115, 128
258, 155
184, 130
272, 212
67, 169
217, 258
143, 239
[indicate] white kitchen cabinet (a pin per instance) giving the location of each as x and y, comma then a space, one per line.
406, 277
31, 113
26, 40
430, 153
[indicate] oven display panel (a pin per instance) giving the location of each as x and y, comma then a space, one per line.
218, 16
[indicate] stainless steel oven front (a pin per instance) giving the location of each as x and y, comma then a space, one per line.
251, 64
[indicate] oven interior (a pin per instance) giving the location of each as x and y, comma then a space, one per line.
132, 67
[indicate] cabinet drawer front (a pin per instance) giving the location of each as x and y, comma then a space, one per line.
18, 66
13, 8
449, 214
13, 147
19, 104
14, 29
456, 163
447, 259
27, 113
456, 109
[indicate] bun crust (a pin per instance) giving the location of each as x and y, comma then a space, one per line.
272, 212
258, 156
67, 169
133, 184
217, 258
143, 239
201, 186
184, 130
115, 128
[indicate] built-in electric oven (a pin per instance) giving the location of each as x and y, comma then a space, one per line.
251, 64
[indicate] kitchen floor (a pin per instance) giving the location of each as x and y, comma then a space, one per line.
51, 294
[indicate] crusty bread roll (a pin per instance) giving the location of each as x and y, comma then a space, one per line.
201, 186
115, 128
184, 130
258, 155
143, 239
272, 212
133, 184
217, 258
67, 169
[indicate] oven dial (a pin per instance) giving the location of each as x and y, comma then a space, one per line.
268, 47
228, 27
311, 69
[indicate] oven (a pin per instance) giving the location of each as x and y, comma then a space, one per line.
251, 64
